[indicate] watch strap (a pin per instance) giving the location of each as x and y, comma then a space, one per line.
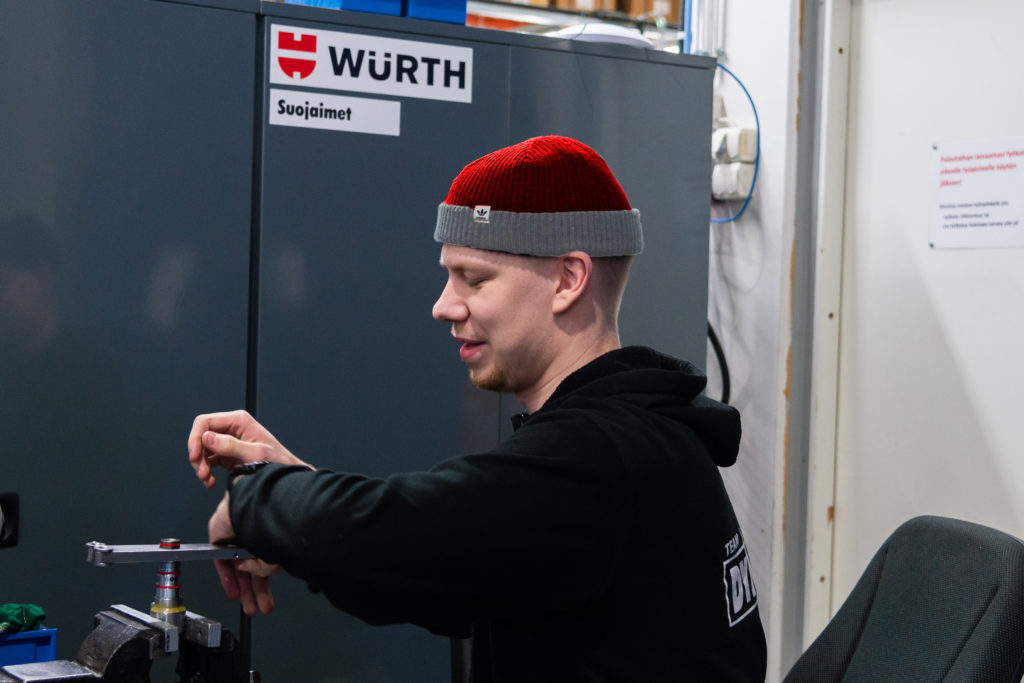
244, 469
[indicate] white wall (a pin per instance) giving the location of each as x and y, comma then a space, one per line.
931, 341
751, 288
915, 366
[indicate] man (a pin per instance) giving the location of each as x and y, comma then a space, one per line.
597, 543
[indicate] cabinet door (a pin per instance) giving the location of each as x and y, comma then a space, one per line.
353, 372
126, 136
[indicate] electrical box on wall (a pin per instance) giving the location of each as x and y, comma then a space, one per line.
734, 151
734, 143
731, 180
9, 520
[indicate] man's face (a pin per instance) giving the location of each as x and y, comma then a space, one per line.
499, 306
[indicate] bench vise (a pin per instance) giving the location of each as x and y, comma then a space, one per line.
124, 642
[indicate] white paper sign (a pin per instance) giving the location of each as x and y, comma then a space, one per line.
979, 194
332, 60
334, 112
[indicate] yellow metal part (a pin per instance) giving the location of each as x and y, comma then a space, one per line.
166, 609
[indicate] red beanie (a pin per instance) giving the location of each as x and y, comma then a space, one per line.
545, 196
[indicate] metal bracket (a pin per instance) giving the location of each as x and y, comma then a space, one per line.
101, 554
202, 631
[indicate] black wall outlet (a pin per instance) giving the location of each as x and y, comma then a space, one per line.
8, 520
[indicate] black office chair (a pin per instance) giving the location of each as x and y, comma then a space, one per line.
941, 600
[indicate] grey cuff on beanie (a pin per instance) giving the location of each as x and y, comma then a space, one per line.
598, 233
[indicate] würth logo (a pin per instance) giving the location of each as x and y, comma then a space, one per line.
354, 62
294, 67
433, 70
740, 594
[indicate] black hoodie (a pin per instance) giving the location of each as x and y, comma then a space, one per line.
597, 543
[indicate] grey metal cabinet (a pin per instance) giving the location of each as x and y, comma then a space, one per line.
352, 370
217, 221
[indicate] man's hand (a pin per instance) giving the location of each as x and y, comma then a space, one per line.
229, 439
245, 580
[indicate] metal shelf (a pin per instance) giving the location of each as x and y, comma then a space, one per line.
535, 19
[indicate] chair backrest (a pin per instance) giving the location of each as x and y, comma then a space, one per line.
941, 600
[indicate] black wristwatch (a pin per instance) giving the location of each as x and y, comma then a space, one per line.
244, 469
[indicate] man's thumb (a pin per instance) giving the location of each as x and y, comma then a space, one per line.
228, 446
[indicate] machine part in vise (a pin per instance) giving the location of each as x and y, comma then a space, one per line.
101, 554
8, 520
167, 604
124, 642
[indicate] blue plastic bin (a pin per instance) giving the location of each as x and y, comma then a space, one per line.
392, 7
28, 646
451, 11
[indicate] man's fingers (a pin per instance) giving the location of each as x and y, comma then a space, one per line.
228, 580
258, 568
195, 446
251, 589
245, 593
264, 598
227, 450
204, 472
202, 457
247, 581
196, 454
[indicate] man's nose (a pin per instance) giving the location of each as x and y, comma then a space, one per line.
449, 307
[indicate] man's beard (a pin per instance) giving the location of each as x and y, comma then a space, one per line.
494, 380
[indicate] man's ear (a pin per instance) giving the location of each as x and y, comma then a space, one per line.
574, 272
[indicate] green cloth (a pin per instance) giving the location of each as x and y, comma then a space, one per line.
15, 617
